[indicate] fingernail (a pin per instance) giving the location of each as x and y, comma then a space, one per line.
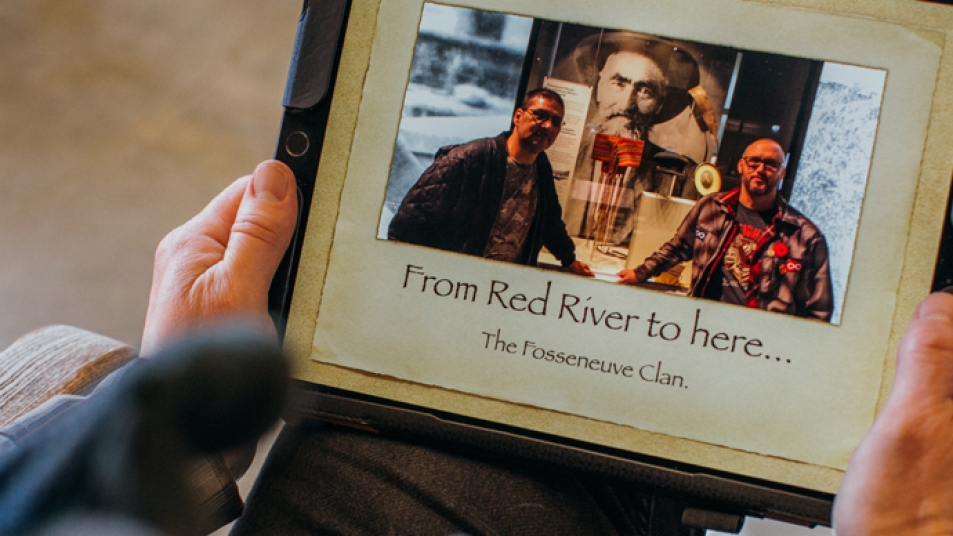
270, 182
948, 290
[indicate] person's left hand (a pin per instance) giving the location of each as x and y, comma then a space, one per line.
579, 268
221, 262
131, 447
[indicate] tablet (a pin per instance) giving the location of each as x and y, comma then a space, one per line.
736, 409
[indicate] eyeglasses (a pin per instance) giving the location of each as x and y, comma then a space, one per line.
542, 116
770, 164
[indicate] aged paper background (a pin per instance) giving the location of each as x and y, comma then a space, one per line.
809, 403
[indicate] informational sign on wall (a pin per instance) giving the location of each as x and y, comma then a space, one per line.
562, 155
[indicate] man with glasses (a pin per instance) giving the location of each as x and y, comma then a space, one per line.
749, 247
494, 197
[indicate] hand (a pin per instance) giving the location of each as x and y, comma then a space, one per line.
900, 479
579, 268
627, 276
220, 263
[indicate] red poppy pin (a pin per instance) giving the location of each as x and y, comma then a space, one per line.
780, 249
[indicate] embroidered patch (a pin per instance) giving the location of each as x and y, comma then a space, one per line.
791, 265
700, 233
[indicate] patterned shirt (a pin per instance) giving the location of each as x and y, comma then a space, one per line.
741, 254
517, 209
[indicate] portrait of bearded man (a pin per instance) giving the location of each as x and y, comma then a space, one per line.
629, 95
644, 88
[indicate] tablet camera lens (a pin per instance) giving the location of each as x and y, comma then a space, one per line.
297, 144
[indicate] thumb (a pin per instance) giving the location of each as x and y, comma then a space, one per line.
264, 224
924, 365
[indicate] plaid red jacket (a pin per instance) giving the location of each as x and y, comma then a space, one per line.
791, 273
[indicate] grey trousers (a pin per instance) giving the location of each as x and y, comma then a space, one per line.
324, 479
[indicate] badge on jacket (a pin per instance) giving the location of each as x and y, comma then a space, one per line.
700, 233
790, 265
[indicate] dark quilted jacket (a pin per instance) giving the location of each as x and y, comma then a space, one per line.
456, 201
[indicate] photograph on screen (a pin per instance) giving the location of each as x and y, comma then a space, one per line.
683, 167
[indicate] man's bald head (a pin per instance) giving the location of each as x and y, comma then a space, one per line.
767, 144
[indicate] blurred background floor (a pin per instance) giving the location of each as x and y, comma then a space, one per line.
119, 121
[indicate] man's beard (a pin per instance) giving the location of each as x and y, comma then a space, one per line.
629, 124
757, 191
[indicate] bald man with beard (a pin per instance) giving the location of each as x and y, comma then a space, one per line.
749, 247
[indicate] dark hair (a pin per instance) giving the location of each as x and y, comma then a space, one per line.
542, 92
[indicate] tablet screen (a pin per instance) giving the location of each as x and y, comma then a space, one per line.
656, 368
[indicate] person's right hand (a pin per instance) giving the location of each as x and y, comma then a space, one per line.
627, 276
900, 479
